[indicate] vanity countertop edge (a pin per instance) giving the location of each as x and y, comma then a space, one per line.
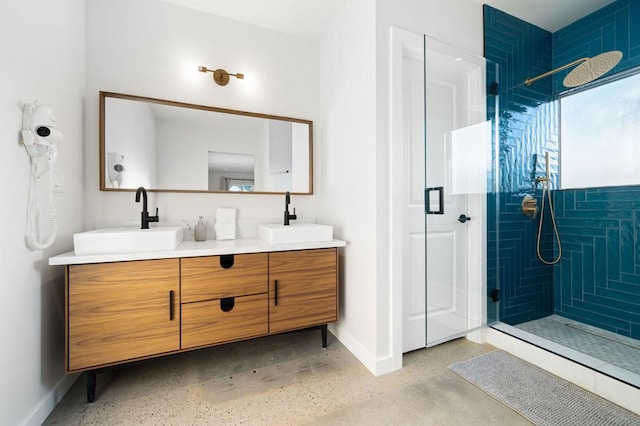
194, 249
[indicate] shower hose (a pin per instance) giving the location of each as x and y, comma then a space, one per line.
545, 188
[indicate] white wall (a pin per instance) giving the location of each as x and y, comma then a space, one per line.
355, 68
299, 157
133, 137
155, 52
280, 150
42, 45
347, 168
183, 151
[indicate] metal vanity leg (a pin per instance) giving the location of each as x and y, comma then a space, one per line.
91, 385
323, 329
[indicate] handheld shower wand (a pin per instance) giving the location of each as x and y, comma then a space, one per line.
546, 187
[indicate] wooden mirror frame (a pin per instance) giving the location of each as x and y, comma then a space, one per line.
102, 139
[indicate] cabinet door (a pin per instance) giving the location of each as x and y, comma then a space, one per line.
121, 311
303, 289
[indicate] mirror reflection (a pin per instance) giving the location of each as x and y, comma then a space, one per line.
177, 147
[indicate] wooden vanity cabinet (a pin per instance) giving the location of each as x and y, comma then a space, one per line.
121, 311
303, 289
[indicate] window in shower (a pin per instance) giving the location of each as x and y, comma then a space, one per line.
599, 135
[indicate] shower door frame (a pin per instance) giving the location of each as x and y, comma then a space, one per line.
402, 41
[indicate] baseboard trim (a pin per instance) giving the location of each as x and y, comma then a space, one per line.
377, 366
40, 413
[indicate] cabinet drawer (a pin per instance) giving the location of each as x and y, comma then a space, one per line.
206, 323
216, 277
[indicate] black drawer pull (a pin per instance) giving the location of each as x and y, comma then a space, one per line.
227, 303
171, 297
275, 292
226, 261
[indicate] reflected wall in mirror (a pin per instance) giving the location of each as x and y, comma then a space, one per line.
178, 147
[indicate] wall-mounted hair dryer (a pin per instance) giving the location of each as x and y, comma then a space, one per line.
39, 134
40, 138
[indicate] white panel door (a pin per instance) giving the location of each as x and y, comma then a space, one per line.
445, 146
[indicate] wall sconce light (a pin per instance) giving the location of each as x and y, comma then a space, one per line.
220, 76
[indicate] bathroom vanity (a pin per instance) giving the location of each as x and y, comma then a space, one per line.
121, 308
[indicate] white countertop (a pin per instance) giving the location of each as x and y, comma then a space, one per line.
194, 249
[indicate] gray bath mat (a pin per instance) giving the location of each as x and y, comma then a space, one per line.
540, 396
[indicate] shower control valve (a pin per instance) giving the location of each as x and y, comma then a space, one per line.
529, 206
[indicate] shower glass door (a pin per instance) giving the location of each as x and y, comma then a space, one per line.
458, 156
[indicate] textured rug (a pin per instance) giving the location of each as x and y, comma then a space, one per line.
540, 396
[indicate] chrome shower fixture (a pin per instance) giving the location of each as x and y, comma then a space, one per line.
220, 76
587, 70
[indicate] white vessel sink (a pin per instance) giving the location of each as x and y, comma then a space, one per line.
276, 233
126, 240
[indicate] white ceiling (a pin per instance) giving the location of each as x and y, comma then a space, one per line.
305, 18
309, 18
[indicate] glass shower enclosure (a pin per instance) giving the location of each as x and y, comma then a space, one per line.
449, 145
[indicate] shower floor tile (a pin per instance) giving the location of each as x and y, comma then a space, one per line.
621, 351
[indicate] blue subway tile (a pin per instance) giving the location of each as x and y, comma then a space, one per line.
635, 331
627, 258
588, 267
629, 194
631, 279
613, 254
576, 276
605, 305
629, 287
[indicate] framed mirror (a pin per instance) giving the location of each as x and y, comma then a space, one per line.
171, 146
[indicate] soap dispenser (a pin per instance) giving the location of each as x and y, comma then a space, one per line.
200, 231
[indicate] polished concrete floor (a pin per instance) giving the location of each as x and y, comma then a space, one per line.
286, 380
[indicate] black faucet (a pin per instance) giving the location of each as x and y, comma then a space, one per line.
288, 216
145, 214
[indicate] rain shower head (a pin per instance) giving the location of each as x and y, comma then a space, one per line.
587, 70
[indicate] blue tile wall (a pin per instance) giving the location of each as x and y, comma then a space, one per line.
598, 279
596, 282
521, 50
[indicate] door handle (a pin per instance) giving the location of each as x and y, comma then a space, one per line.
463, 218
171, 311
275, 292
439, 193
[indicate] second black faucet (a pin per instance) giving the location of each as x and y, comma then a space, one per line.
288, 216
145, 218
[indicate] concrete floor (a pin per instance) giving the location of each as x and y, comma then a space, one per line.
287, 380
